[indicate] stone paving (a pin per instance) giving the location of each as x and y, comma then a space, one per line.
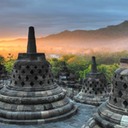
76, 121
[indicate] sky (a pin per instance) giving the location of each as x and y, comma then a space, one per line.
53, 16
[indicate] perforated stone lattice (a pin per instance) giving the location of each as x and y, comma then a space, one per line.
32, 75
113, 113
32, 96
95, 89
120, 88
94, 86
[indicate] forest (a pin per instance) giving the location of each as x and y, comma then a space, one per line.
80, 65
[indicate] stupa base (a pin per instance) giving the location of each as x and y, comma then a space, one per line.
92, 100
40, 121
107, 117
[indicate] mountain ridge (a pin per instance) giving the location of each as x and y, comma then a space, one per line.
111, 38
106, 30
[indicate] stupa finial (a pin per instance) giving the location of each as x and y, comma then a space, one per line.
31, 47
94, 66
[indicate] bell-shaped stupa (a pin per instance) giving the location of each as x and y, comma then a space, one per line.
3, 75
94, 90
63, 74
32, 96
66, 78
114, 112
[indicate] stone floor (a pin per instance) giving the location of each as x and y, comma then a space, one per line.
76, 121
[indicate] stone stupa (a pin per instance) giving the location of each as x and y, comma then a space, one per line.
95, 90
114, 112
66, 78
3, 75
63, 74
32, 96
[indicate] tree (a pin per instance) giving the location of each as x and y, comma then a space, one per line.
9, 63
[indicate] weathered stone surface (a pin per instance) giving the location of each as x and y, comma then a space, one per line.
32, 96
3, 75
76, 121
114, 112
66, 78
95, 88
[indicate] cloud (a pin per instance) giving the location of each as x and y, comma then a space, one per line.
50, 16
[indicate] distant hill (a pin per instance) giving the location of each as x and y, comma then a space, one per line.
110, 39
113, 31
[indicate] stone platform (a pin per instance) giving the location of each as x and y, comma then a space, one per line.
76, 121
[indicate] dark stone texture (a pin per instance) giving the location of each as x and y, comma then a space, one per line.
31, 48
95, 88
94, 66
114, 112
76, 121
66, 78
32, 97
3, 75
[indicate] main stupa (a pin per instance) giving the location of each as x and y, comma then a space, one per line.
32, 96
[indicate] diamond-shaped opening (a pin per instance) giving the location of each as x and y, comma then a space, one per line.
90, 85
101, 85
35, 67
97, 82
95, 85
23, 71
115, 75
125, 103
31, 71
93, 82
22, 83
19, 77
31, 83
121, 77
125, 85
16, 71
93, 89
27, 67
90, 92
120, 94
40, 82
13, 76
43, 76
46, 70
40, 71
85, 91
26, 78
42, 66
35, 77
96, 93
48, 82
115, 100
15, 82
